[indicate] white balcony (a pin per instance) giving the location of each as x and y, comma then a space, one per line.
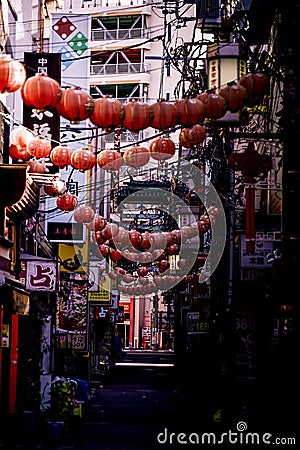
117, 69
120, 34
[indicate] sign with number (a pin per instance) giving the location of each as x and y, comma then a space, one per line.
195, 325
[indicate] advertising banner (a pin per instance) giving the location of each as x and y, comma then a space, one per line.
69, 38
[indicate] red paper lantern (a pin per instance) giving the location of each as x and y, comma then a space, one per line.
163, 265
135, 238
35, 167
20, 136
170, 238
121, 272
257, 86
75, 104
67, 202
143, 279
115, 255
190, 110
104, 250
107, 232
128, 278
235, 96
41, 92
145, 257
158, 240
162, 148
203, 223
172, 249
83, 159
113, 275
61, 156
112, 229
159, 254
20, 154
136, 156
39, 147
142, 271
137, 116
176, 234
96, 237
145, 243
110, 160
56, 188
215, 104
84, 214
194, 135
164, 115
12, 74
182, 263
97, 224
108, 113
122, 237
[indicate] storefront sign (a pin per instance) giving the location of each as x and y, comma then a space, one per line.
258, 259
74, 341
21, 302
195, 325
40, 276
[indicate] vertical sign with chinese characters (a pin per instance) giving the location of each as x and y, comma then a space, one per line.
46, 123
69, 37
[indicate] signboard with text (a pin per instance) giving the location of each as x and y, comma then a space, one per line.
69, 36
44, 123
197, 325
258, 259
41, 276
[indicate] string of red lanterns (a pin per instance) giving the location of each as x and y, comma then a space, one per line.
147, 254
75, 104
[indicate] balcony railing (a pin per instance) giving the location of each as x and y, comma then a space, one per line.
119, 34
114, 69
113, 3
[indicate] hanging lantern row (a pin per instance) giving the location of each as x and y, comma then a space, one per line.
24, 145
133, 246
152, 280
146, 253
73, 103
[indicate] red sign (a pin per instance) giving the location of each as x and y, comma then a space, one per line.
126, 306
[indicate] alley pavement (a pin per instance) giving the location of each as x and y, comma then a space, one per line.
145, 403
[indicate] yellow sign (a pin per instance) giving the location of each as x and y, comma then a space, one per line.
5, 335
72, 258
102, 295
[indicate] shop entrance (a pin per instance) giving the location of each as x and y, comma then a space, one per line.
123, 331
